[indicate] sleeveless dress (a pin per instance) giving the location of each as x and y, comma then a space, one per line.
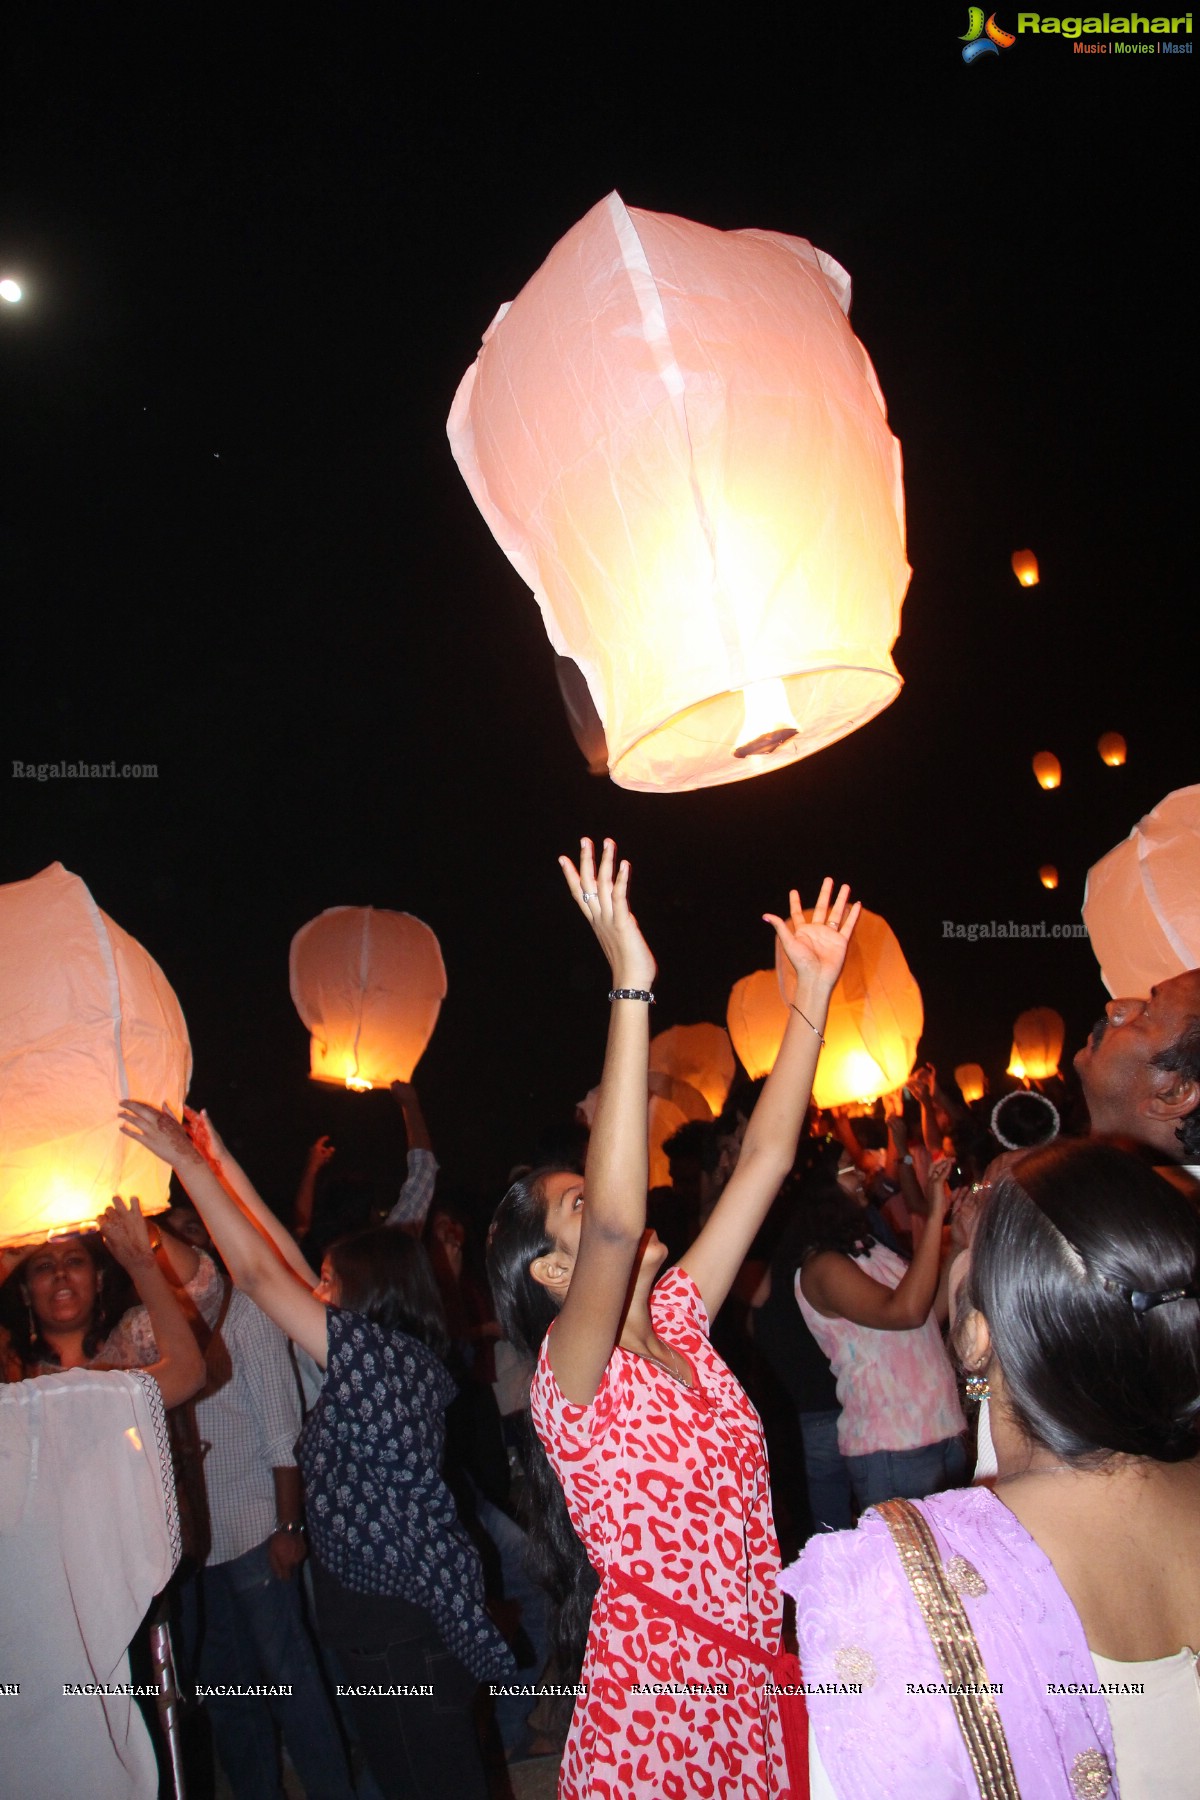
667, 1487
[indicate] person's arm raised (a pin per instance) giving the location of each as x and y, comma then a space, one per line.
240, 1188
614, 1209
179, 1369
838, 1289
816, 952
251, 1257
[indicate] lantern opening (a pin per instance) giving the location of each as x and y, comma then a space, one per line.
767, 708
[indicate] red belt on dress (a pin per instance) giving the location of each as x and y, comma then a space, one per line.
784, 1667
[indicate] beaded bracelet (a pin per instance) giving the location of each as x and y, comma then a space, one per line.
633, 994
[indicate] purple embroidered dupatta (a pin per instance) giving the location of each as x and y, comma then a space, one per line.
857, 1622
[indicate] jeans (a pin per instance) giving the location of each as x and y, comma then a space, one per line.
243, 1625
830, 1496
419, 1746
907, 1474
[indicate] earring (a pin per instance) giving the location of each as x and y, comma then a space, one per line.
978, 1387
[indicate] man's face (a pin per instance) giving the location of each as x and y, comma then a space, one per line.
1122, 1087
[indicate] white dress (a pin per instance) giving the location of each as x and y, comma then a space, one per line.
88, 1535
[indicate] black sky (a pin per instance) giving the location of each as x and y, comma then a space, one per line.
259, 252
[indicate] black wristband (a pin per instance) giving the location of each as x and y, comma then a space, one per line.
633, 994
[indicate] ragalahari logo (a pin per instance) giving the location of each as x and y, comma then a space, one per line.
982, 39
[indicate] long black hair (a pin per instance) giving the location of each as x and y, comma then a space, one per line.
1065, 1256
558, 1561
384, 1274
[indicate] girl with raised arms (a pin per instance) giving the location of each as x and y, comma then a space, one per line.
659, 1454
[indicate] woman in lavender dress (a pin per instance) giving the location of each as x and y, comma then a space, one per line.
1078, 1307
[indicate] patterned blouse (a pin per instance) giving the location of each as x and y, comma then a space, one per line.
381, 1519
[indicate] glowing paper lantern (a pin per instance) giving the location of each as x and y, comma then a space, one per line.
87, 1019
971, 1082
1048, 875
701, 1056
1037, 1044
1048, 769
682, 448
1112, 749
757, 1017
369, 985
1025, 567
875, 1017
1141, 904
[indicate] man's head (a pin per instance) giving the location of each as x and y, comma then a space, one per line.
1140, 1069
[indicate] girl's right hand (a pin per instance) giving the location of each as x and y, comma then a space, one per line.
939, 1195
602, 897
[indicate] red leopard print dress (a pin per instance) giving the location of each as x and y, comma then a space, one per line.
667, 1487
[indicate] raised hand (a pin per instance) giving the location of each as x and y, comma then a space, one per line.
125, 1233
160, 1131
323, 1151
602, 897
204, 1135
817, 948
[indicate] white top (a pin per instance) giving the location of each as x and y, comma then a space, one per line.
250, 1423
1156, 1732
88, 1535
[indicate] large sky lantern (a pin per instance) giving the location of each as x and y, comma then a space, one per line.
1037, 1044
700, 1055
875, 1017
757, 1017
1048, 769
1025, 567
1141, 903
682, 448
369, 985
972, 1083
87, 1019
1112, 750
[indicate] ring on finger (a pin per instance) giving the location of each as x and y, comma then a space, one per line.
588, 898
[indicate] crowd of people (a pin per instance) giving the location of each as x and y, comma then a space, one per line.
860, 1461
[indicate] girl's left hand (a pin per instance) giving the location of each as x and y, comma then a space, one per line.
160, 1131
817, 948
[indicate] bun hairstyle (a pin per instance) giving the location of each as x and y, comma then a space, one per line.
556, 1557
1087, 1270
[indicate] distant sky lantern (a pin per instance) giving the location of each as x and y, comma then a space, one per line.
701, 1056
757, 1017
1025, 567
682, 448
1048, 875
87, 1019
1037, 1044
10, 290
875, 1018
1048, 769
1141, 904
971, 1082
1112, 749
369, 985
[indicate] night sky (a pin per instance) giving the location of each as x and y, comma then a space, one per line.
259, 251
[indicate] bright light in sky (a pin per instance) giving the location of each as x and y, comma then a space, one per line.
10, 290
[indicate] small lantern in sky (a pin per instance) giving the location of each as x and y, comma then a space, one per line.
1141, 904
875, 1017
1025, 567
369, 985
87, 1019
971, 1082
681, 446
757, 1017
1112, 750
701, 1056
1048, 875
1048, 769
1037, 1044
